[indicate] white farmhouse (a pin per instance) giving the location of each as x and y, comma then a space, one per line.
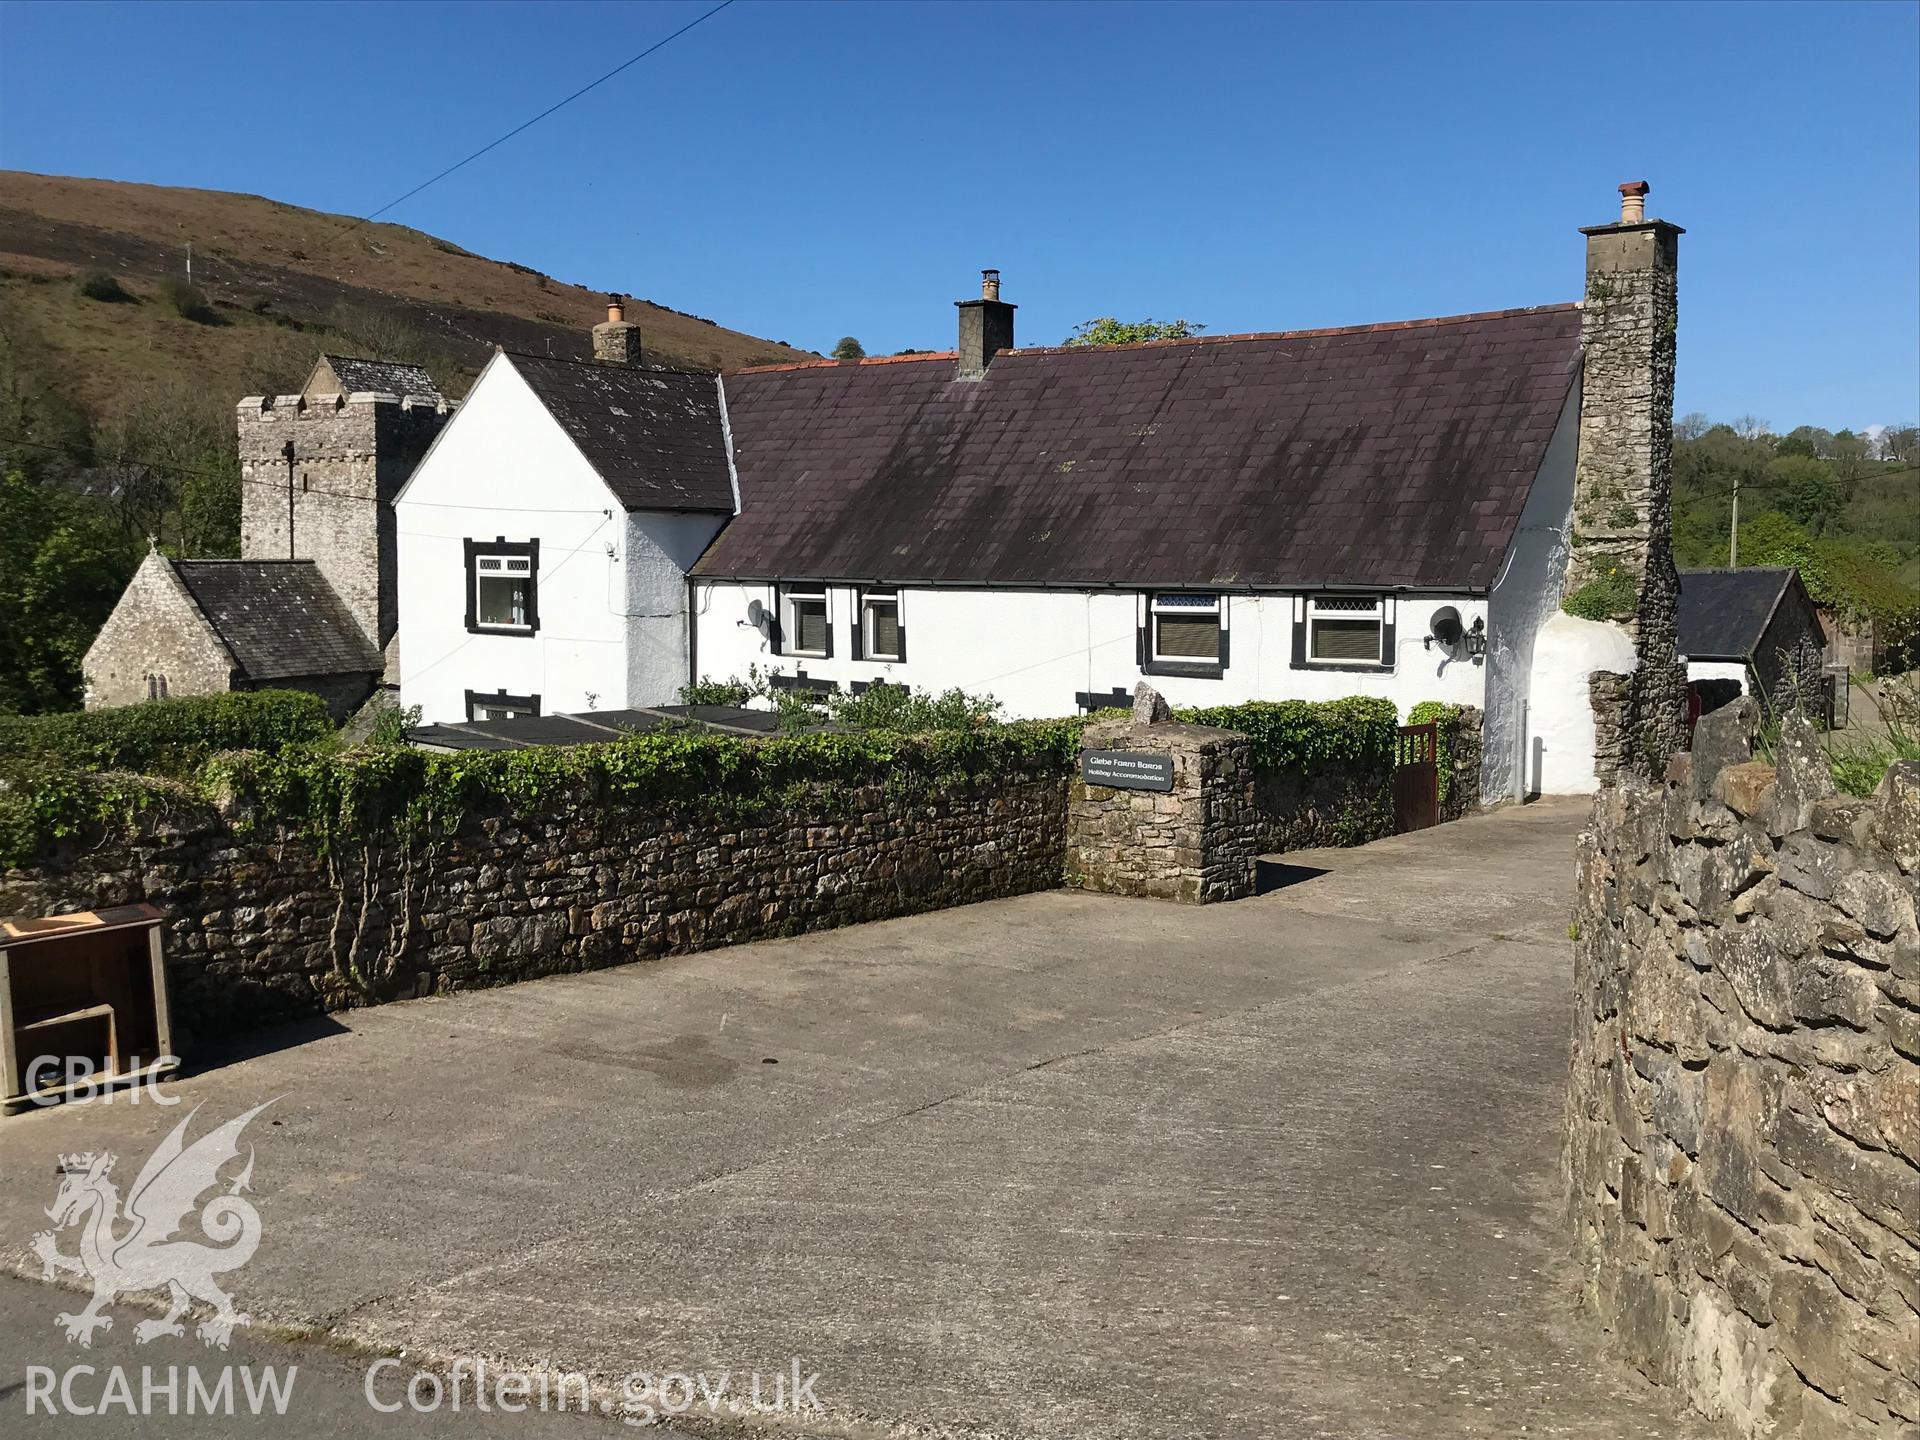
1395, 510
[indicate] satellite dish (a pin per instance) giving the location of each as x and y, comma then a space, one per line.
1446, 626
756, 615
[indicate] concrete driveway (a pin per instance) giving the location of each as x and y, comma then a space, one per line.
1065, 1165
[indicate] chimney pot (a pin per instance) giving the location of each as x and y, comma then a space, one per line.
989, 284
616, 309
1633, 202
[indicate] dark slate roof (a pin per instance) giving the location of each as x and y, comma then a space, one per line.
655, 436
1389, 455
280, 618
356, 375
1723, 613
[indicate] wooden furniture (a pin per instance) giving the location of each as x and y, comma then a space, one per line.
90, 989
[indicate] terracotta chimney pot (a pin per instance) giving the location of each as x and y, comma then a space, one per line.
1633, 202
989, 284
616, 309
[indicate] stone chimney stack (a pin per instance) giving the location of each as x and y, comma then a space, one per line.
986, 327
616, 340
1622, 538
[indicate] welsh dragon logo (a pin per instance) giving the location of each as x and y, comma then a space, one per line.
130, 1248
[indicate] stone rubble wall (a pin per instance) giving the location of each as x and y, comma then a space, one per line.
267, 928
1743, 1116
1196, 843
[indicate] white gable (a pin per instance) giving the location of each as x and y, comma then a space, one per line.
502, 449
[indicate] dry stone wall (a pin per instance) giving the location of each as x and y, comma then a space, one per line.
1743, 1119
267, 927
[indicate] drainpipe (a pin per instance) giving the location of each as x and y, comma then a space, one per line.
287, 450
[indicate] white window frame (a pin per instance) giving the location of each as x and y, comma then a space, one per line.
1315, 613
1158, 606
882, 595
510, 562
790, 596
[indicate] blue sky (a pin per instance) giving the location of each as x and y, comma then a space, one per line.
803, 171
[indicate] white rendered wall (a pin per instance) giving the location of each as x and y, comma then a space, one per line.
1524, 599
1034, 650
1735, 670
1558, 758
661, 548
503, 468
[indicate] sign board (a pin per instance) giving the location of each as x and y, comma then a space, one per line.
1127, 769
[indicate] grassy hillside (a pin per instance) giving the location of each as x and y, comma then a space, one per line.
283, 283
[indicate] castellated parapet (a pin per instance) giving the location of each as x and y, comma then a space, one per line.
351, 454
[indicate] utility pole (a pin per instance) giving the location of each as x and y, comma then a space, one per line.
1733, 532
189, 262
287, 450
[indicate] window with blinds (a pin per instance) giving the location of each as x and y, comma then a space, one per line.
1344, 630
880, 637
1186, 627
807, 632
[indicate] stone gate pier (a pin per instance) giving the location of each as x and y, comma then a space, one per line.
1162, 809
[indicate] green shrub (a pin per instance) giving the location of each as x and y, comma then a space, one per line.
189, 302
885, 706
1302, 736
1611, 594
716, 692
102, 286
163, 737
1443, 717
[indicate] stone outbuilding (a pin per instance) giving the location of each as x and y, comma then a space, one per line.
201, 627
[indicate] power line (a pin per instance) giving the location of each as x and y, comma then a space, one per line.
528, 124
281, 485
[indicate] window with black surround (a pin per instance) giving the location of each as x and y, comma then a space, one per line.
804, 625
503, 579
1344, 632
877, 632
500, 706
1184, 633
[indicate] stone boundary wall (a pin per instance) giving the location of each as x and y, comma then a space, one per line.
266, 928
1743, 1114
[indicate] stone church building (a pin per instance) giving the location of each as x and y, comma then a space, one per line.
311, 604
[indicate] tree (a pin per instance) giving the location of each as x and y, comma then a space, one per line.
61, 572
1105, 330
849, 349
1750, 427
1900, 443
1691, 426
1806, 491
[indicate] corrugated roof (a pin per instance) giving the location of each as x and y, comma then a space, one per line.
357, 375
654, 436
1723, 613
280, 618
1387, 455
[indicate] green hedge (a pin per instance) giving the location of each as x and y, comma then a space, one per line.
694, 774
1301, 736
164, 737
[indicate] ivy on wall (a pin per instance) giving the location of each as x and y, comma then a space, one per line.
268, 760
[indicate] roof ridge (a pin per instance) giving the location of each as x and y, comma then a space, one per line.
1377, 327
830, 362
605, 364
245, 560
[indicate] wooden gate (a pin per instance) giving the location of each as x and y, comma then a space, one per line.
1416, 777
